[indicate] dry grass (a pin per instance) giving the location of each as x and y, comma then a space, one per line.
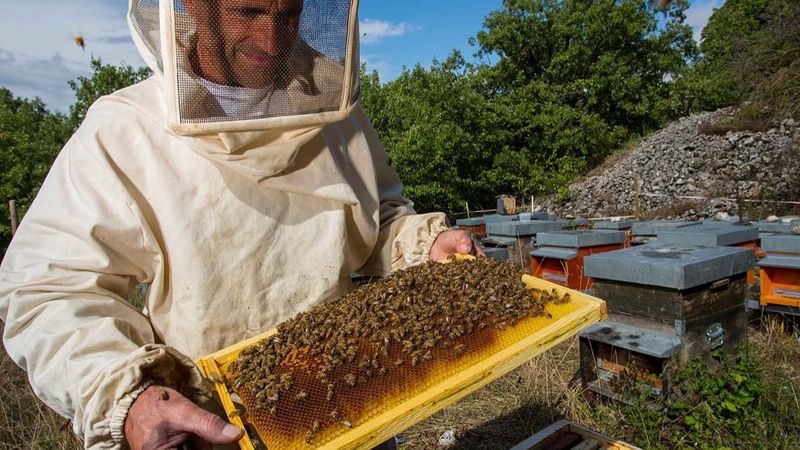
748, 117
25, 422
502, 414
548, 388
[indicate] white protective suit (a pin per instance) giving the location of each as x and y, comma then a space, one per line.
233, 231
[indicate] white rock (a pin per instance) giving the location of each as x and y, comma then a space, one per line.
447, 438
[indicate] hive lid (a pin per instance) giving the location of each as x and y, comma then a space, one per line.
634, 339
527, 228
781, 261
710, 235
491, 218
498, 253
554, 252
581, 239
502, 241
670, 266
652, 227
613, 225
470, 221
783, 243
776, 227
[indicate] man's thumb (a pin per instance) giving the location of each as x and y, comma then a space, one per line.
211, 427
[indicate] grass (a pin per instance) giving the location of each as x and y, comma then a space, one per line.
25, 422
546, 389
748, 117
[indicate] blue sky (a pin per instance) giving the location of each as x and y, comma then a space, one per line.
38, 54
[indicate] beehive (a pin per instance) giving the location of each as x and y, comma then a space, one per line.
361, 411
560, 255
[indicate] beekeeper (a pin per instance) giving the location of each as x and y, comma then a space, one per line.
242, 183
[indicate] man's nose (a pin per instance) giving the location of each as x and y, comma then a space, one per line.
267, 34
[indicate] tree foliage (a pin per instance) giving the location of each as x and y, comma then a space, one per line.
750, 51
575, 79
31, 135
104, 80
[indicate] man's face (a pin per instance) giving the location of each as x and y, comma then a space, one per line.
243, 42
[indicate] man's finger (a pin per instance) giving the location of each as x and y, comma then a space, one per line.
205, 425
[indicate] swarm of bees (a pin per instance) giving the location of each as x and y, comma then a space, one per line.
397, 324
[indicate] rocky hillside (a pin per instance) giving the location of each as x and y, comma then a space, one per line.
689, 159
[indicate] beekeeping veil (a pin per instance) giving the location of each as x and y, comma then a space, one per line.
247, 65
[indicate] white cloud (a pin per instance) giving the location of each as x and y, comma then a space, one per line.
698, 14
375, 30
39, 51
46, 78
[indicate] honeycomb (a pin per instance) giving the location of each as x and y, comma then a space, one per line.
343, 362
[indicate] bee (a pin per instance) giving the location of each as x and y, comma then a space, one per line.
337, 416
301, 395
80, 42
163, 395
312, 431
350, 379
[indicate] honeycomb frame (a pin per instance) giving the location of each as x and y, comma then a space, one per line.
539, 335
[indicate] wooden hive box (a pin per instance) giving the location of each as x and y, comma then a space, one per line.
564, 435
693, 292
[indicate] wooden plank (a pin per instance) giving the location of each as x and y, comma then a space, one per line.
545, 437
12, 213
582, 311
589, 444
563, 433
585, 432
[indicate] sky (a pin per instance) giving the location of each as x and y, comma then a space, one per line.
38, 53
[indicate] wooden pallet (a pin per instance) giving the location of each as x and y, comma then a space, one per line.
540, 334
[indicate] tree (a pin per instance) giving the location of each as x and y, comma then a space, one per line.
713, 82
769, 65
30, 138
575, 79
104, 80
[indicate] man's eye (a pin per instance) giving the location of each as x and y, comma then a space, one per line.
248, 13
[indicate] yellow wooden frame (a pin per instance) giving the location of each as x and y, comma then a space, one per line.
586, 311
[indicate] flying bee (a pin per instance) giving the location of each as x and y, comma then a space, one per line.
80, 41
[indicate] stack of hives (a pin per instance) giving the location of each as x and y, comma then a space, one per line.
333, 366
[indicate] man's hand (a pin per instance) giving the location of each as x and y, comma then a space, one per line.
451, 242
161, 419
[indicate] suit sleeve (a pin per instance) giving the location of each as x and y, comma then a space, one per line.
405, 237
80, 249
